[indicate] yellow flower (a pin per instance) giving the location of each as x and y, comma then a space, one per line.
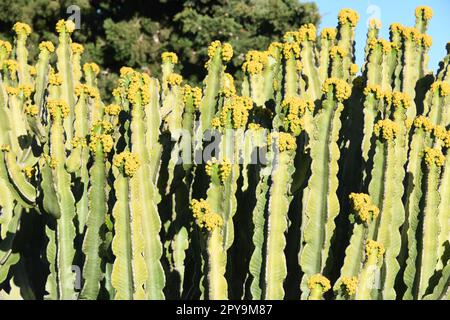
112, 109
255, 61
21, 28
12, 91
204, 216
349, 284
65, 26
375, 24
126, 71
386, 129
192, 92
348, 16
284, 141
441, 87
401, 100
362, 205
319, 280
78, 142
29, 172
328, 33
47, 45
169, 57
337, 51
307, 32
227, 52
222, 168
77, 48
54, 106
91, 66
374, 248
105, 139
6, 46
174, 79
128, 161
422, 122
433, 156
54, 79
32, 110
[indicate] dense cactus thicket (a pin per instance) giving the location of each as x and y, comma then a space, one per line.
314, 180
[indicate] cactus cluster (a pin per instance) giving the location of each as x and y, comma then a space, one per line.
311, 181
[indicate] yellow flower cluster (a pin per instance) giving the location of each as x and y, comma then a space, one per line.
396, 27
307, 32
424, 12
386, 129
328, 33
319, 280
297, 105
130, 162
6, 45
77, 48
205, 217
113, 109
54, 78
32, 71
124, 71
194, 92
401, 100
433, 156
104, 126
341, 88
255, 61
375, 23
47, 45
65, 26
29, 172
78, 142
222, 168
226, 50
21, 28
87, 90
91, 66
5, 148
139, 89
386, 46
291, 49
105, 139
441, 87
12, 66
31, 110
422, 122
349, 284
362, 205
374, 248
234, 113
254, 126
12, 91
348, 16
442, 134
337, 51
169, 57
354, 68
174, 79
284, 141
54, 105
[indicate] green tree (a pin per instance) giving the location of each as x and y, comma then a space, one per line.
135, 33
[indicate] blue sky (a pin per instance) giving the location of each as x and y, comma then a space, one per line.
389, 11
